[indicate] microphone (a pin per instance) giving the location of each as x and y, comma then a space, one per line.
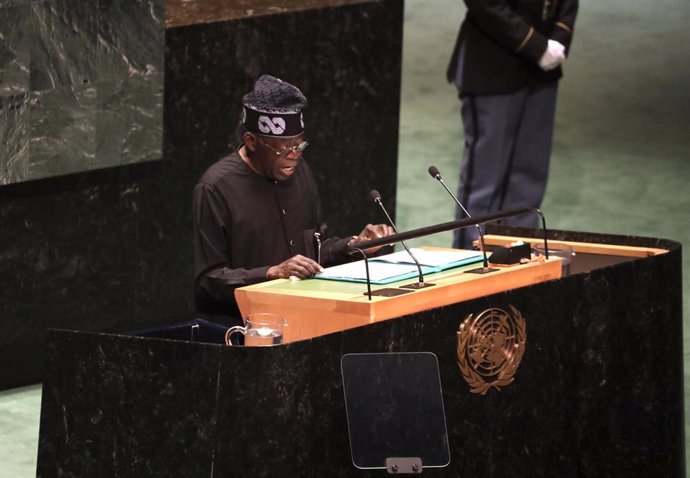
434, 173
374, 194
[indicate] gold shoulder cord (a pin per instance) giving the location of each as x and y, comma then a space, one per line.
564, 27
525, 40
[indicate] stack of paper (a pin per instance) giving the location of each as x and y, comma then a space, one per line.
399, 265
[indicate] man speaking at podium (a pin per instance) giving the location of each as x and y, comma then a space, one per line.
256, 212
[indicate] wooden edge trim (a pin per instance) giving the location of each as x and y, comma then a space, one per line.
582, 247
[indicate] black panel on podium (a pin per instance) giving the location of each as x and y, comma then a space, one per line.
395, 412
196, 330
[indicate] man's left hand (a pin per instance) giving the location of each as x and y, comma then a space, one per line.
374, 231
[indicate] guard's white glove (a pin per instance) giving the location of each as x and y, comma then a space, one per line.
553, 56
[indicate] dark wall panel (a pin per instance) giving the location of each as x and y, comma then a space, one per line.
81, 86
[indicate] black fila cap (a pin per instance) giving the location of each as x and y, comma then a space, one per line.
274, 108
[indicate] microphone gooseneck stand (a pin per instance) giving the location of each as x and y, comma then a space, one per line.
366, 268
457, 224
434, 172
359, 247
374, 194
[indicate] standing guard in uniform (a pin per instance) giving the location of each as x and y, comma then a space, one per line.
506, 65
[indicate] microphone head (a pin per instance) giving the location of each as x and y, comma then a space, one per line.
374, 195
433, 171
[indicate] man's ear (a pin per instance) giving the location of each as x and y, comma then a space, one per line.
249, 141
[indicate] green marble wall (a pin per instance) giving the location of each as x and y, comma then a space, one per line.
81, 86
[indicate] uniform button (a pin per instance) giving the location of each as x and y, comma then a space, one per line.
292, 243
283, 211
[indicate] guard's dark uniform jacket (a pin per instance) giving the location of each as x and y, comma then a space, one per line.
502, 42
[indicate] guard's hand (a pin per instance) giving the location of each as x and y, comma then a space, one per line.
297, 266
553, 56
371, 232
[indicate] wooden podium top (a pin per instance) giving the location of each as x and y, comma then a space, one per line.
315, 307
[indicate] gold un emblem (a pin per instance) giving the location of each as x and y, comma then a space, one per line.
490, 348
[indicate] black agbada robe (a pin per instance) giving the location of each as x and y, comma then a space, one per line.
245, 223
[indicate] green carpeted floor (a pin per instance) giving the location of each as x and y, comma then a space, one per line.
620, 154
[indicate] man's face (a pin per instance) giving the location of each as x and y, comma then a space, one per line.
276, 158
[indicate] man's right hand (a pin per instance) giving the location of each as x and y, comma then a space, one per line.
297, 266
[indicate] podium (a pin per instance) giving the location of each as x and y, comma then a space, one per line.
316, 307
598, 390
